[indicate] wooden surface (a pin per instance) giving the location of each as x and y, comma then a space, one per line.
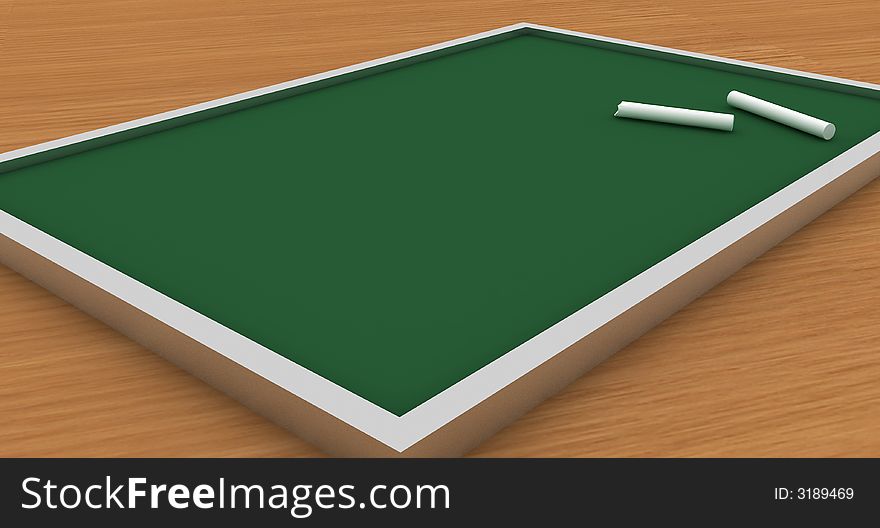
783, 359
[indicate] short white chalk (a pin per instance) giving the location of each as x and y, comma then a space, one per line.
781, 114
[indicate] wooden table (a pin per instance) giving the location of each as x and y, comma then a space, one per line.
780, 360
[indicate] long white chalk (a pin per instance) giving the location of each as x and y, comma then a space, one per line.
677, 116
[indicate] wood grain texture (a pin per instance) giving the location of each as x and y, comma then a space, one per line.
783, 359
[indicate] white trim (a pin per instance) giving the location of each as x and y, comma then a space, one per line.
694, 55
455, 400
266, 90
402, 432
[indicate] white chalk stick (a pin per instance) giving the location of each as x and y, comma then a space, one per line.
780, 114
677, 116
